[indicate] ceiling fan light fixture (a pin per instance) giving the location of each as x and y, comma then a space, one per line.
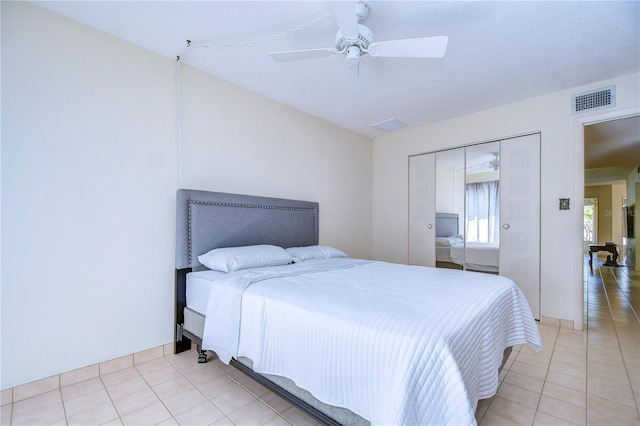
353, 56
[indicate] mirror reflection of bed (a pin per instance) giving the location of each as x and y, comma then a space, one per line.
452, 250
467, 205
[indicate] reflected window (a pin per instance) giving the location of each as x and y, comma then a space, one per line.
483, 217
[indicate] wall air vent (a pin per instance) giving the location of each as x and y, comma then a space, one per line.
593, 100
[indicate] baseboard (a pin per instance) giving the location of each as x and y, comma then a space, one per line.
37, 387
557, 322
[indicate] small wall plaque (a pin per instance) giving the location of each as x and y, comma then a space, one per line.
564, 204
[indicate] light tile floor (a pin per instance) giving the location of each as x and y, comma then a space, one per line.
589, 377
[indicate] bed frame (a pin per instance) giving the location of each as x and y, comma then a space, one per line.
207, 220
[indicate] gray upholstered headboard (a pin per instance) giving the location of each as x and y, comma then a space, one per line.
207, 220
446, 224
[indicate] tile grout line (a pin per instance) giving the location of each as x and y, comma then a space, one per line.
198, 388
64, 406
615, 328
154, 392
624, 361
256, 396
109, 395
237, 383
615, 278
555, 341
544, 381
587, 386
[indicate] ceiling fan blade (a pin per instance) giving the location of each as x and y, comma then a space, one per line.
425, 47
297, 55
345, 15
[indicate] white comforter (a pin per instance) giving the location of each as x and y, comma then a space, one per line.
395, 344
474, 253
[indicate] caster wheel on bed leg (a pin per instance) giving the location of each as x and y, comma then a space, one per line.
202, 357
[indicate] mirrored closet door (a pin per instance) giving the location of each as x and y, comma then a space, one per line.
482, 210
450, 205
477, 208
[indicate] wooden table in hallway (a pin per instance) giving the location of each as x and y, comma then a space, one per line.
611, 248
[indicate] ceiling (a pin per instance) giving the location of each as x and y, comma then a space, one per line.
498, 52
611, 150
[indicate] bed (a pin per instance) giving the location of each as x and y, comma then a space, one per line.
453, 253
325, 332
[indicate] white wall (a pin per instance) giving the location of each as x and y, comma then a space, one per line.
89, 174
551, 116
236, 141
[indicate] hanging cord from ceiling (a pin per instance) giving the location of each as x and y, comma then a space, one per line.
211, 43
212, 46
179, 113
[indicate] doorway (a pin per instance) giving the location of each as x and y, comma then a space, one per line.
582, 175
590, 234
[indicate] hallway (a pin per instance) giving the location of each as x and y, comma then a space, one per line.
589, 377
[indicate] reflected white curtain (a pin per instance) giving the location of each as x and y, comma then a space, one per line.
483, 212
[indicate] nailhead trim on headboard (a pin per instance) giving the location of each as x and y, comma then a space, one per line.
249, 206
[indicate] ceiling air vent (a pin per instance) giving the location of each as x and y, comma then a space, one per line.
593, 100
389, 125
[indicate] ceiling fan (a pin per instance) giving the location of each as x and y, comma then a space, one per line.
491, 165
355, 40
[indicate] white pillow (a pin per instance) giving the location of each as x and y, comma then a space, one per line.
300, 254
231, 259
